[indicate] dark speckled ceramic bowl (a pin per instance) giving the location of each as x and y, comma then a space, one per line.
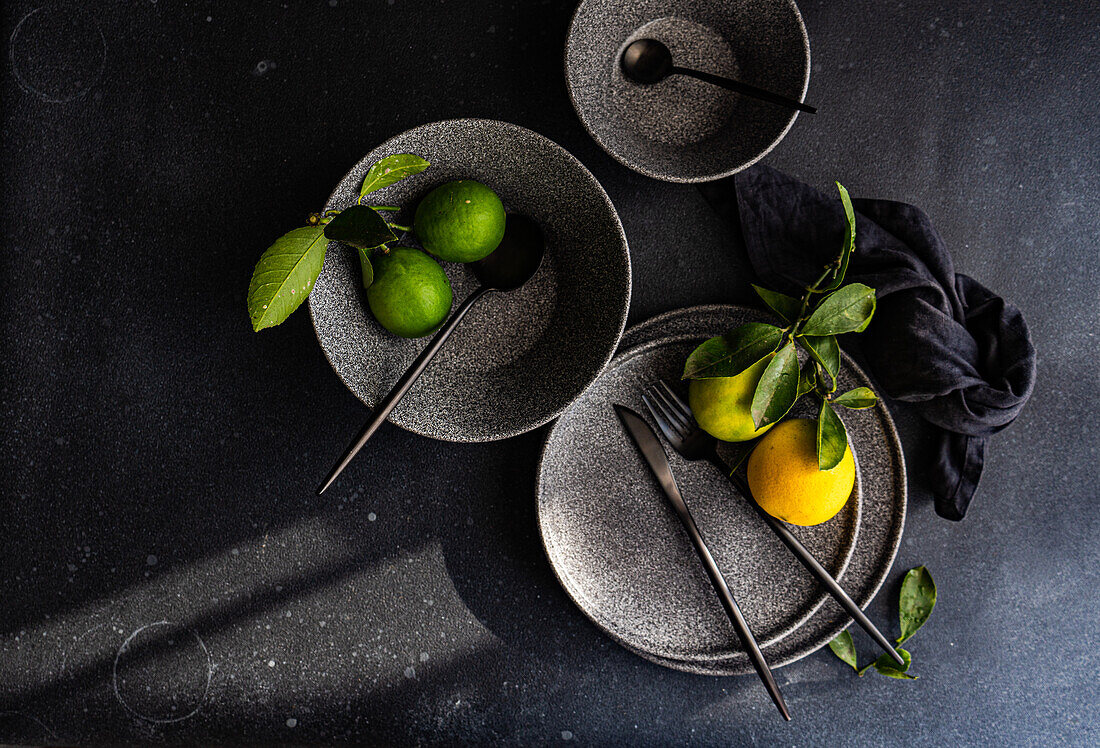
682, 129
520, 358
621, 554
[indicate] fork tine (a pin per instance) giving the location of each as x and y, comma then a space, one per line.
684, 408
666, 426
661, 406
673, 405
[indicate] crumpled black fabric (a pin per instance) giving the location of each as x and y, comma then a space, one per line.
939, 339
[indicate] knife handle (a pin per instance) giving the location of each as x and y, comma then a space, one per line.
734, 612
812, 564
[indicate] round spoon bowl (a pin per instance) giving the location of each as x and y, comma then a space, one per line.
518, 358
646, 61
680, 129
516, 260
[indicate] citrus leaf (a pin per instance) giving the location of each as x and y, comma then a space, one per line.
807, 379
285, 275
857, 399
888, 666
849, 241
360, 227
730, 354
391, 169
824, 350
844, 648
848, 309
918, 598
777, 389
366, 267
785, 306
832, 439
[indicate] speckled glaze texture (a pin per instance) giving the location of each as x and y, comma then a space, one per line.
519, 358
621, 554
682, 129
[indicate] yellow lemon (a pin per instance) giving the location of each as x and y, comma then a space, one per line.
786, 482
722, 406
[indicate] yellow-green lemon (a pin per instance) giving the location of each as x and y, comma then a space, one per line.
722, 406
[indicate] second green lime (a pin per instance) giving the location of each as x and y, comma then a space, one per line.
460, 221
410, 295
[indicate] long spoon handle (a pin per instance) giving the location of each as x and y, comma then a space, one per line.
813, 566
746, 89
390, 401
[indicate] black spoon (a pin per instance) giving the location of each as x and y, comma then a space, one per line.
648, 61
508, 267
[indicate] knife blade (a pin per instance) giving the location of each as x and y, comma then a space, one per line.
650, 447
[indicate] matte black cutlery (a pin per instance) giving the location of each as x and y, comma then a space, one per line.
648, 61
650, 447
508, 267
674, 418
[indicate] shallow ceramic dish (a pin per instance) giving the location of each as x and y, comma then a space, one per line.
682, 129
620, 553
520, 358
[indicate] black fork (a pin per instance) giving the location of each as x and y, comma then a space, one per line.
674, 418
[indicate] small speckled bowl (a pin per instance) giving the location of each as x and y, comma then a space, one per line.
682, 129
519, 358
619, 551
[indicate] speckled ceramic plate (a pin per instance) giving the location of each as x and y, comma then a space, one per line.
682, 129
518, 359
621, 554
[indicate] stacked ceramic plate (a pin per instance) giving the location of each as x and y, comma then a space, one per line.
622, 555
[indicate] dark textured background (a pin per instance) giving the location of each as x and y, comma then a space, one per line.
158, 457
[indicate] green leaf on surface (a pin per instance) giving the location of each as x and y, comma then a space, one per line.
360, 227
844, 648
778, 387
849, 241
857, 399
730, 354
391, 169
785, 306
848, 309
825, 351
285, 275
366, 267
832, 439
807, 379
918, 598
888, 666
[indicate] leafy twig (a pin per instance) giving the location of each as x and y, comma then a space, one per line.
811, 324
287, 271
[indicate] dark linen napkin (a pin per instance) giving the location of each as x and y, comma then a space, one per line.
939, 339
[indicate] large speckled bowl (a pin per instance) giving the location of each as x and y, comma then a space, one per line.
620, 552
519, 358
682, 129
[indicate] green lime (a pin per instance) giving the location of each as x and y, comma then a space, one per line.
723, 405
410, 295
460, 221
